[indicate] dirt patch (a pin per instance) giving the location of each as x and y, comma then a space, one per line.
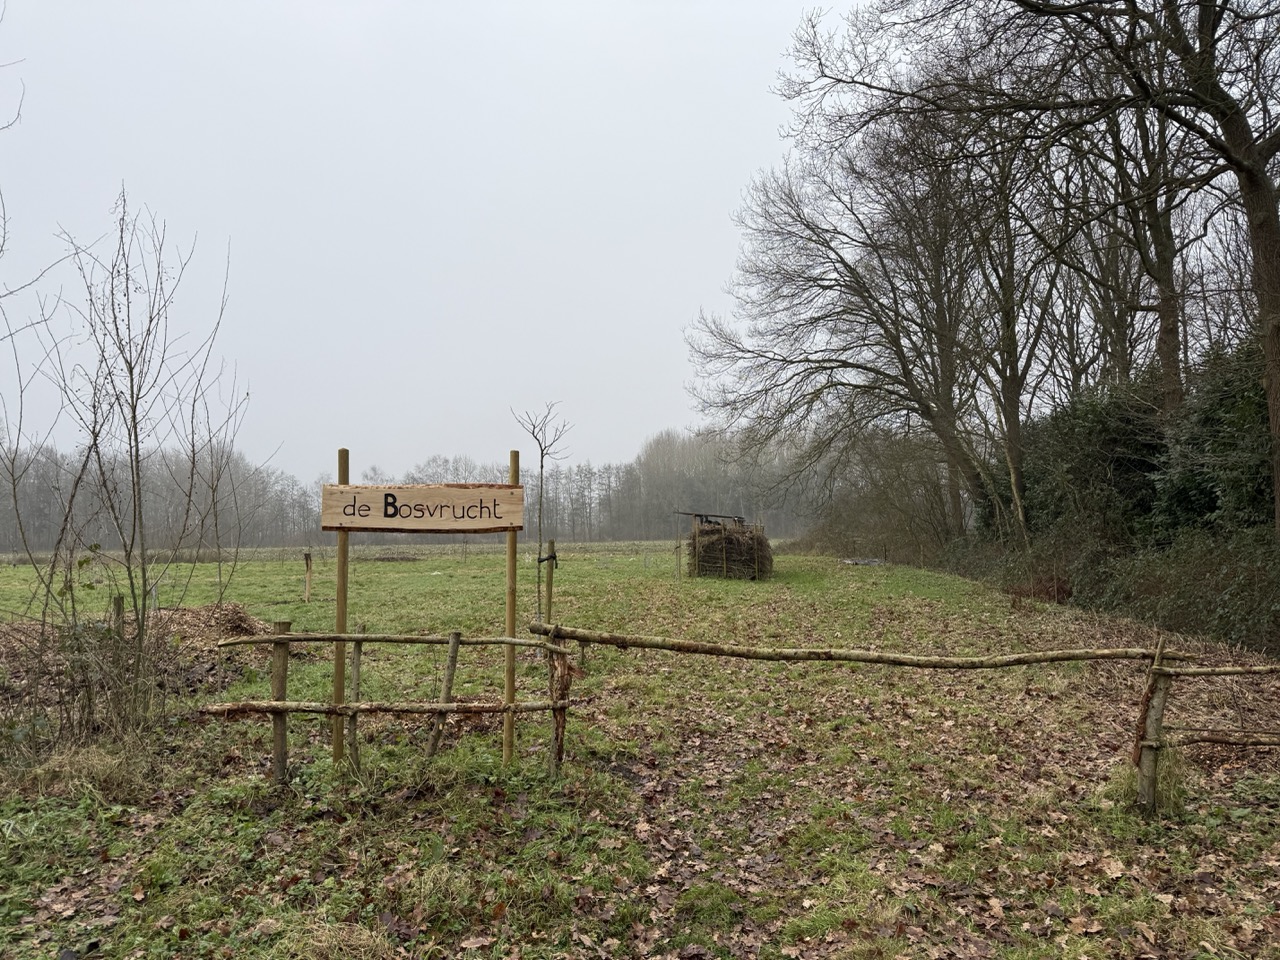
210, 623
184, 643
1047, 588
200, 664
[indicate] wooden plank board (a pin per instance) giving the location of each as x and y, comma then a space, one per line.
423, 508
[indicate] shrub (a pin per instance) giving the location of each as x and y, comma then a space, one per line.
1217, 470
1095, 462
1226, 586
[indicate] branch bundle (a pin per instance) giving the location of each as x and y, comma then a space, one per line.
732, 551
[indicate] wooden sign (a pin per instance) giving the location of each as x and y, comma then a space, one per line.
423, 508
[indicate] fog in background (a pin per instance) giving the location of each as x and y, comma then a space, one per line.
433, 213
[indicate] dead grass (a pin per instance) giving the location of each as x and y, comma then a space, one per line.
114, 773
315, 939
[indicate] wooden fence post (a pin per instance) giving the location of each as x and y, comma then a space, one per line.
340, 617
306, 596
559, 680
1150, 731
509, 661
446, 693
280, 691
1149, 759
551, 574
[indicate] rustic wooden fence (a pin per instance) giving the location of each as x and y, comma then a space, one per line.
280, 706
1162, 677
1152, 736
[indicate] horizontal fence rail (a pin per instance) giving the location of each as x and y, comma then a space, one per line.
995, 662
1182, 736
374, 706
391, 638
1215, 671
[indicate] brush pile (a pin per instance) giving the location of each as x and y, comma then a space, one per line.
732, 551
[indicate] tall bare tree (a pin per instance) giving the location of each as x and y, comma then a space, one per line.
861, 299
1210, 68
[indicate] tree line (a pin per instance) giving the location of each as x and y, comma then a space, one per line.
241, 504
1017, 278
991, 209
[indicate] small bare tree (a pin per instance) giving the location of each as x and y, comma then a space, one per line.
149, 480
548, 431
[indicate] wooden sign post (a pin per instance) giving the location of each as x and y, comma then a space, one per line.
422, 508
509, 673
340, 617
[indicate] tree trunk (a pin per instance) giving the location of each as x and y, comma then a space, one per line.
1169, 348
1013, 460
1163, 265
1270, 321
955, 502
1259, 196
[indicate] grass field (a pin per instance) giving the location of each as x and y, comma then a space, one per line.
707, 807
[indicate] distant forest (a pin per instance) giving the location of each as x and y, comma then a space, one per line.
234, 503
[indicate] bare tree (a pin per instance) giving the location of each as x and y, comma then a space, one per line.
149, 421
1210, 69
859, 291
548, 432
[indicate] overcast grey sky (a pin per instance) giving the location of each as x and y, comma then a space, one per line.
436, 212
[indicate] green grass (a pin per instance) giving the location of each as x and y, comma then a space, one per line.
712, 807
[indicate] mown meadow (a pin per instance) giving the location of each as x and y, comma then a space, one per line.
706, 808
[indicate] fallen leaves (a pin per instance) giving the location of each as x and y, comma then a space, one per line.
725, 809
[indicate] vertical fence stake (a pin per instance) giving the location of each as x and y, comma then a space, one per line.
280, 691
1149, 759
446, 693
551, 573
509, 661
353, 721
1150, 730
556, 667
340, 618
306, 595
